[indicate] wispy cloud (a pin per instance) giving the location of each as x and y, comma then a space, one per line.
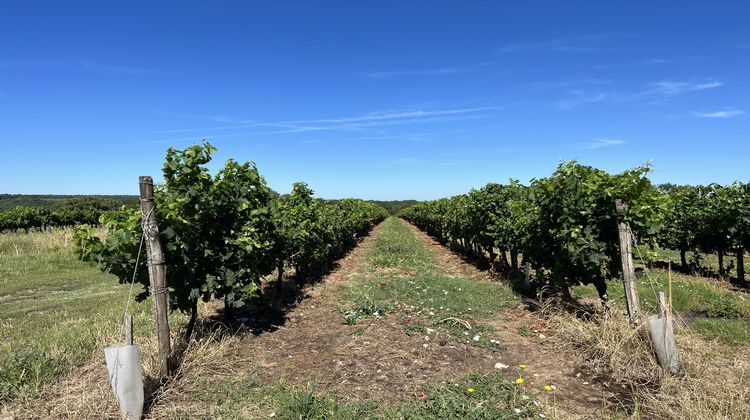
726, 113
581, 97
440, 71
417, 137
654, 93
572, 82
672, 88
660, 91
119, 69
576, 44
602, 143
427, 72
347, 123
657, 61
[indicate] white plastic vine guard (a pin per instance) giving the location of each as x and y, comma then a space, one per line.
662, 337
124, 366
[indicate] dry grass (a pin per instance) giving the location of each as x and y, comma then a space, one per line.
18, 243
713, 384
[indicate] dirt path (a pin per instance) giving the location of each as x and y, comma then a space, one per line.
378, 360
372, 360
527, 341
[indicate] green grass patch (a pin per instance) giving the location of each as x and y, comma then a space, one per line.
734, 332
710, 261
55, 311
472, 397
689, 295
402, 276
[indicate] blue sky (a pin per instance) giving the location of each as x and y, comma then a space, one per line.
380, 99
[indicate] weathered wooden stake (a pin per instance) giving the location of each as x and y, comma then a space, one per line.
128, 330
628, 266
741, 265
662, 304
527, 276
157, 271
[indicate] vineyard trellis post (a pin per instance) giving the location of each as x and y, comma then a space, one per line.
128, 330
628, 266
157, 271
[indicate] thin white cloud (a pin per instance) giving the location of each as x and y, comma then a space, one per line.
572, 82
672, 88
727, 113
427, 72
424, 137
440, 71
654, 93
576, 44
658, 92
657, 61
580, 97
603, 142
119, 69
352, 123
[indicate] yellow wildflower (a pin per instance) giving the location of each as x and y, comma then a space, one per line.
547, 388
470, 390
519, 381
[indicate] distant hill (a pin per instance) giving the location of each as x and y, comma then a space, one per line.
50, 201
394, 206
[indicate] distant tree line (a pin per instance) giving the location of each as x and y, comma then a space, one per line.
51, 201
68, 212
394, 206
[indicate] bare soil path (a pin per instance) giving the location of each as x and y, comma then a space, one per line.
377, 360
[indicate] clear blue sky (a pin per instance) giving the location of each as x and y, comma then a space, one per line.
377, 99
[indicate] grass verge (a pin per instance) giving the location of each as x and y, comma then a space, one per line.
55, 312
693, 297
403, 276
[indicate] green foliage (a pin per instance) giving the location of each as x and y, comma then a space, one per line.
312, 233
222, 233
394, 206
565, 224
54, 202
217, 231
710, 219
573, 231
724, 307
67, 211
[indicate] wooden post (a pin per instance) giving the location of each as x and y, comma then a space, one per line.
128, 330
527, 275
157, 271
662, 304
741, 265
628, 266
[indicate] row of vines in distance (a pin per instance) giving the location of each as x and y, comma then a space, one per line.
223, 233
80, 211
565, 225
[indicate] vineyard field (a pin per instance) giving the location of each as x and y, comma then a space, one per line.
382, 309
481, 305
